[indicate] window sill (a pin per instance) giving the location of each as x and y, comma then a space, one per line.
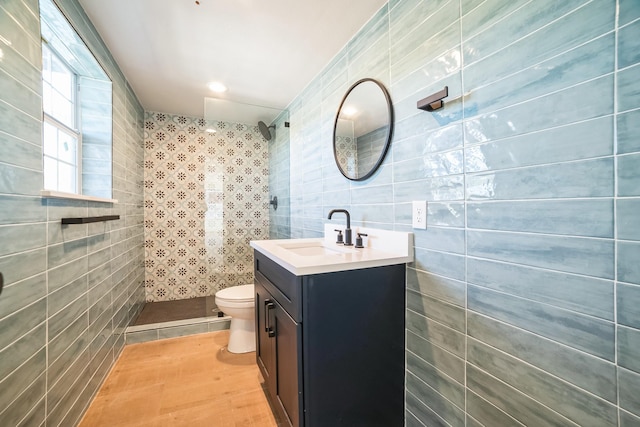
60, 195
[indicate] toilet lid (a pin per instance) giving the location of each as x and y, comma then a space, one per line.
237, 293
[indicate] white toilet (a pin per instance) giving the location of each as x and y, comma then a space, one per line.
238, 302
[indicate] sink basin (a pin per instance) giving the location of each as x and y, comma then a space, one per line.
314, 248
314, 251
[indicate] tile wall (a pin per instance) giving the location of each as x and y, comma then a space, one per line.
523, 303
97, 153
69, 291
369, 148
205, 198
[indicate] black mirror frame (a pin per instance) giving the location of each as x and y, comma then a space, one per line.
388, 136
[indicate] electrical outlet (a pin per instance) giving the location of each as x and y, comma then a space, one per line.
419, 217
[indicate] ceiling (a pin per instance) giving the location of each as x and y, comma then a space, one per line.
264, 51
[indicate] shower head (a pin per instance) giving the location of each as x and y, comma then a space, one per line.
264, 130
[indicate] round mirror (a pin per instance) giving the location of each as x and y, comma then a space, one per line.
362, 130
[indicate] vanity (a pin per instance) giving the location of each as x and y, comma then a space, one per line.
330, 328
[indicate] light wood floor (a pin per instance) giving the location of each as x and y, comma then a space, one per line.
188, 381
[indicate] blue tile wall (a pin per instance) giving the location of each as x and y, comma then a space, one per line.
96, 114
522, 302
69, 290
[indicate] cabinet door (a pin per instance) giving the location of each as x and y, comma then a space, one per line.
265, 347
354, 357
287, 340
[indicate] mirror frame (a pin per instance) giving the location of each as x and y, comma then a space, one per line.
387, 138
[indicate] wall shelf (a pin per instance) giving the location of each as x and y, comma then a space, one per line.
89, 219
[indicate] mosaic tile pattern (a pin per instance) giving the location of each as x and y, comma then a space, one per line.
206, 197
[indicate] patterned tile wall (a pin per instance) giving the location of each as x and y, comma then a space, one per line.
69, 291
523, 301
347, 154
205, 198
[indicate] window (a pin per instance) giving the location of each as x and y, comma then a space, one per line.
77, 122
61, 138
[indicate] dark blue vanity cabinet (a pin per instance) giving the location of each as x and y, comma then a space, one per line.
331, 346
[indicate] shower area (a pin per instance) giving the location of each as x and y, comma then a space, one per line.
206, 196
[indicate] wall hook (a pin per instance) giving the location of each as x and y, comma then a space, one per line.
434, 102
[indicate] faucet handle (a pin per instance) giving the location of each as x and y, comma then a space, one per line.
339, 238
359, 240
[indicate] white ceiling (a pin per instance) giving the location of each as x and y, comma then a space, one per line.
264, 51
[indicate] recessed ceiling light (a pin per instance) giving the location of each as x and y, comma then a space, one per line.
349, 110
211, 130
217, 87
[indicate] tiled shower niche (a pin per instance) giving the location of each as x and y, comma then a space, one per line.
205, 198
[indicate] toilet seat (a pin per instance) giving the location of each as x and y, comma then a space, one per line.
237, 294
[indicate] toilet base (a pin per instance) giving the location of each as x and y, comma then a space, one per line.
242, 335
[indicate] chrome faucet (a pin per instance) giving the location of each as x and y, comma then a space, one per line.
347, 231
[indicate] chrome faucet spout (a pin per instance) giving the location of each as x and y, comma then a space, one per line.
347, 231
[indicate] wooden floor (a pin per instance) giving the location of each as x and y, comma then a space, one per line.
188, 381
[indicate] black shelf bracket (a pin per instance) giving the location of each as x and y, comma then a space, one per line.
434, 102
89, 219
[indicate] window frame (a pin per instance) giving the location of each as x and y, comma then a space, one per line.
75, 131
93, 89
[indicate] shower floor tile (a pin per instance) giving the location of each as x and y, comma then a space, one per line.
187, 381
168, 311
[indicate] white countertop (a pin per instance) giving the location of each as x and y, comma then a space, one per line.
323, 255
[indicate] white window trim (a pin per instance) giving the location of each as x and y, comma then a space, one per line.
47, 118
74, 93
